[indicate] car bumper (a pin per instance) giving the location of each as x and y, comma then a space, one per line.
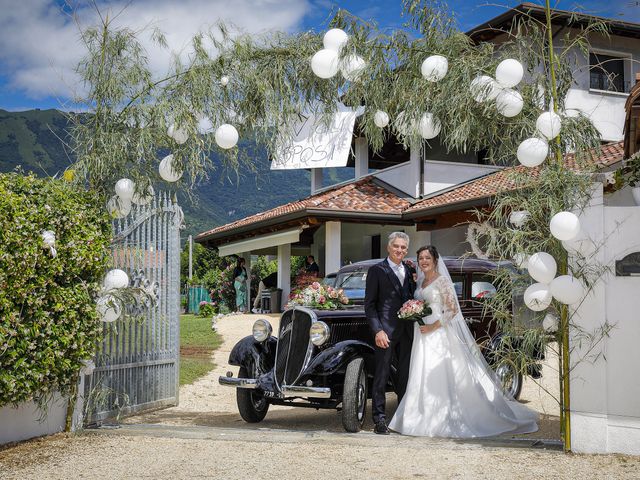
286, 390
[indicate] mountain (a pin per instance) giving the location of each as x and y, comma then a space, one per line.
34, 139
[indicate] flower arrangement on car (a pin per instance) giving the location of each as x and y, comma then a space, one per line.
414, 310
318, 296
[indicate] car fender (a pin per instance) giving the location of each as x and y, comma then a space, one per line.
249, 352
338, 356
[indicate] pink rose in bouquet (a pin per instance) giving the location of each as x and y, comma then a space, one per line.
414, 310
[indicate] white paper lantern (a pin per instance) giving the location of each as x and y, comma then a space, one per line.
580, 245
142, 199
521, 260
564, 226
108, 308
226, 136
484, 88
224, 80
434, 68
325, 63
519, 218
429, 126
532, 152
567, 289
125, 188
178, 134
352, 67
542, 267
509, 103
117, 207
114, 279
537, 297
205, 125
548, 124
168, 170
381, 119
509, 73
550, 323
335, 39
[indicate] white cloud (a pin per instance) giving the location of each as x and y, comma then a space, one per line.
41, 43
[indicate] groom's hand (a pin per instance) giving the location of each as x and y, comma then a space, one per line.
382, 340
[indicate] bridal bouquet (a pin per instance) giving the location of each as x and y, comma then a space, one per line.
414, 310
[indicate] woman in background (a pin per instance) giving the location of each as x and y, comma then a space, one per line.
240, 277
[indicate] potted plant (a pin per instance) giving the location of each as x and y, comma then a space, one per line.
631, 175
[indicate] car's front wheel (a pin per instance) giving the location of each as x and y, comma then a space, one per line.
354, 396
253, 406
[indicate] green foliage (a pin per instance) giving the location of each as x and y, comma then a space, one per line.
203, 260
48, 319
219, 281
207, 309
197, 343
631, 171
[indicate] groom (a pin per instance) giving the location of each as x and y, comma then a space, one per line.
390, 283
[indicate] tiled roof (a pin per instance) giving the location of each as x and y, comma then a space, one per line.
366, 195
369, 195
491, 184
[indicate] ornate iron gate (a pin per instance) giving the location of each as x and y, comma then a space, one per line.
137, 364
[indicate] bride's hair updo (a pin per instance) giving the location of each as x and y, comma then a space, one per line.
431, 249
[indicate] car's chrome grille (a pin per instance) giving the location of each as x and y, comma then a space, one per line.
293, 346
350, 330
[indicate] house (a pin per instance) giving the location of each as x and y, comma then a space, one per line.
425, 192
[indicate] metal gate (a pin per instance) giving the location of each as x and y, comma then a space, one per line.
137, 363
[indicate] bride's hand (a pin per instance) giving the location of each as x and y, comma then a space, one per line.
424, 329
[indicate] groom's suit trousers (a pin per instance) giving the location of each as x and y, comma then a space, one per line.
400, 349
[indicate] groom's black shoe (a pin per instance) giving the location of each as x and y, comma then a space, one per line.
381, 428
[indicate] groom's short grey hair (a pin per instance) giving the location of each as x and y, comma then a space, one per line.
400, 235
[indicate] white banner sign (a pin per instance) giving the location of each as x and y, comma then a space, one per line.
316, 145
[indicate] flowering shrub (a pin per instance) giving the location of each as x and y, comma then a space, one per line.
207, 309
220, 284
48, 319
320, 297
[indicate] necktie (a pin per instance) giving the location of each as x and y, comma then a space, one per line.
399, 270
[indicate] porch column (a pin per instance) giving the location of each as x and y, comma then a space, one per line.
284, 272
332, 252
247, 264
415, 162
361, 157
316, 180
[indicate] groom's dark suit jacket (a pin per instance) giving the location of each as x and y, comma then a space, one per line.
384, 296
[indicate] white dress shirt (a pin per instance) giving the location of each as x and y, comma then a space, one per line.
398, 269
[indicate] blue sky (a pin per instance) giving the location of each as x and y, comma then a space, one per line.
39, 43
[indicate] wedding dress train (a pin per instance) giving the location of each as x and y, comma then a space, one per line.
451, 391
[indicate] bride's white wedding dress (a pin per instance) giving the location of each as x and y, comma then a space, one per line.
451, 391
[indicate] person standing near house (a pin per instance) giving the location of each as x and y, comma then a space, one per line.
312, 267
390, 283
240, 284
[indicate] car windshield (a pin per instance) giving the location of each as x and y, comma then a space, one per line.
353, 283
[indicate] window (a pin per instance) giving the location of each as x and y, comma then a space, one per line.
458, 284
482, 287
607, 73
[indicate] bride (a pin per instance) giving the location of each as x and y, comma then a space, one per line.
451, 390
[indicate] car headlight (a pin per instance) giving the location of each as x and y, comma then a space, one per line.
319, 333
261, 330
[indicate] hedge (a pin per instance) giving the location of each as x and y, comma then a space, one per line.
48, 321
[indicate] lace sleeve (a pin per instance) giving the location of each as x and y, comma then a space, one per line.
449, 300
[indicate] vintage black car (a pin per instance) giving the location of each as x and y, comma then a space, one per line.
325, 358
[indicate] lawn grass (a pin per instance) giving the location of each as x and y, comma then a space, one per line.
197, 342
